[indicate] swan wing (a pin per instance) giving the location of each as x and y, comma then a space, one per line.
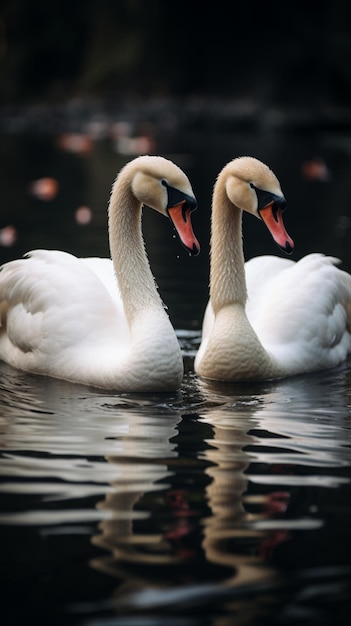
54, 307
103, 269
259, 273
301, 311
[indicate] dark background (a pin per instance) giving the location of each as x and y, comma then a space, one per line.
283, 53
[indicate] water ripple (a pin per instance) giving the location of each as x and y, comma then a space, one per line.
213, 481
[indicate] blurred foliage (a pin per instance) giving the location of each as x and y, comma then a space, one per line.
274, 51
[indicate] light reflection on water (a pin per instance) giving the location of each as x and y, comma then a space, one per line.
195, 493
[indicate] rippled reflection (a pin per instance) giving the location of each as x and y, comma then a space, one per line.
186, 497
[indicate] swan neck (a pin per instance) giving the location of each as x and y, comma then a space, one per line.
239, 354
227, 273
131, 265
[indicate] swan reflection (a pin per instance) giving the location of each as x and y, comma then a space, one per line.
228, 537
141, 473
249, 441
197, 492
259, 441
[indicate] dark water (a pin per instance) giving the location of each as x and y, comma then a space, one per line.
218, 504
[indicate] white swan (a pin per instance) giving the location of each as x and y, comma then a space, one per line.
271, 317
74, 319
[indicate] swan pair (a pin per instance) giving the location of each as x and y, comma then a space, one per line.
101, 322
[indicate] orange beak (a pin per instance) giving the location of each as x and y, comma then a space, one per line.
180, 215
273, 218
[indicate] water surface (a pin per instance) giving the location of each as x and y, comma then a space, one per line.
212, 501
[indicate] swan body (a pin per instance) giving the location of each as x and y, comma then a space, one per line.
270, 317
101, 322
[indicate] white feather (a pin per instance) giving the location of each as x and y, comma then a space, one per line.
97, 321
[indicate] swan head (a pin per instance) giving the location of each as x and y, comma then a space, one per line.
163, 186
253, 187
